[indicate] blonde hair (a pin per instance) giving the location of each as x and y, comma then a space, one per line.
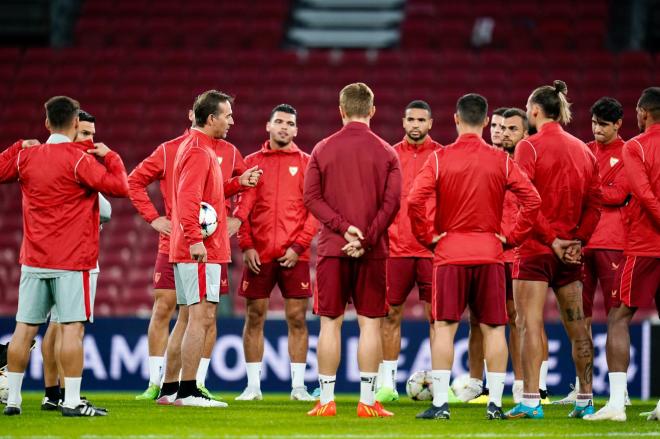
356, 100
552, 99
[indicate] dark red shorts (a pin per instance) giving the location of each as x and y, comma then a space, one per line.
546, 268
343, 280
403, 274
224, 279
637, 281
482, 287
294, 282
508, 279
163, 273
599, 266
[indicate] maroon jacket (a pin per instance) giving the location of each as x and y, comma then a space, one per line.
353, 178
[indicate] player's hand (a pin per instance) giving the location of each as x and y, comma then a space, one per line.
353, 234
251, 177
573, 254
560, 248
198, 252
251, 259
437, 238
353, 249
502, 238
162, 225
233, 224
290, 258
30, 142
100, 150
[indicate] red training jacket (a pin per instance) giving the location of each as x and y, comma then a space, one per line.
273, 214
469, 179
353, 178
197, 177
403, 243
159, 166
641, 157
60, 184
610, 232
565, 173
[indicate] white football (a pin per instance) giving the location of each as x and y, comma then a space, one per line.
460, 383
419, 386
208, 219
4, 388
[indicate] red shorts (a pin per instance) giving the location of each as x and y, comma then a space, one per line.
403, 274
163, 273
340, 280
294, 282
224, 279
637, 281
599, 266
482, 287
508, 279
546, 268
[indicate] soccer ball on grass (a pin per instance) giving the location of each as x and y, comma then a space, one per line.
419, 386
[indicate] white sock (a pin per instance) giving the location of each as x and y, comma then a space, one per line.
487, 384
618, 386
440, 386
72, 394
298, 375
327, 384
531, 400
389, 373
543, 376
495, 382
380, 377
15, 382
202, 370
254, 375
156, 369
518, 383
577, 384
368, 388
583, 399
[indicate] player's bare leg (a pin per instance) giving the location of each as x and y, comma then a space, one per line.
569, 298
391, 346
170, 385
618, 360
474, 390
514, 351
253, 346
329, 354
370, 351
442, 358
157, 336
205, 361
295, 311
18, 354
497, 356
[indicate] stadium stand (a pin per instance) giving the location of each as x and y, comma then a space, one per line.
138, 65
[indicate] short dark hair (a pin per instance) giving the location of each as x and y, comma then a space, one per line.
207, 103
513, 111
650, 101
499, 111
61, 111
284, 108
420, 105
607, 109
472, 108
84, 116
552, 99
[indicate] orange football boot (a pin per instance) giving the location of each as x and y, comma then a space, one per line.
329, 409
372, 411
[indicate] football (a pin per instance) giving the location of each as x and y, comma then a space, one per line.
418, 386
460, 382
4, 388
208, 219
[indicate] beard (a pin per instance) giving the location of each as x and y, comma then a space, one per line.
417, 135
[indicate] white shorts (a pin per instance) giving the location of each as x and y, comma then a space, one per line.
69, 293
196, 281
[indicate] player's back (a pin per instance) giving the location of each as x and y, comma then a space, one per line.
355, 164
562, 168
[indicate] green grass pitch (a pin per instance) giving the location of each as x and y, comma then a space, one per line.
277, 417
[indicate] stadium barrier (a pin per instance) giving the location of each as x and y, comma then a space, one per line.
116, 357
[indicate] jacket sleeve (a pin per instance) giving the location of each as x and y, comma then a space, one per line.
244, 205
638, 177
390, 206
315, 203
423, 188
232, 186
109, 178
616, 192
149, 170
591, 207
529, 203
9, 164
194, 170
525, 157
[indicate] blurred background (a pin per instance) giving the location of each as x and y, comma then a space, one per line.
137, 66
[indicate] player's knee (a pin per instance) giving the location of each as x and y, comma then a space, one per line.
255, 317
297, 322
163, 310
